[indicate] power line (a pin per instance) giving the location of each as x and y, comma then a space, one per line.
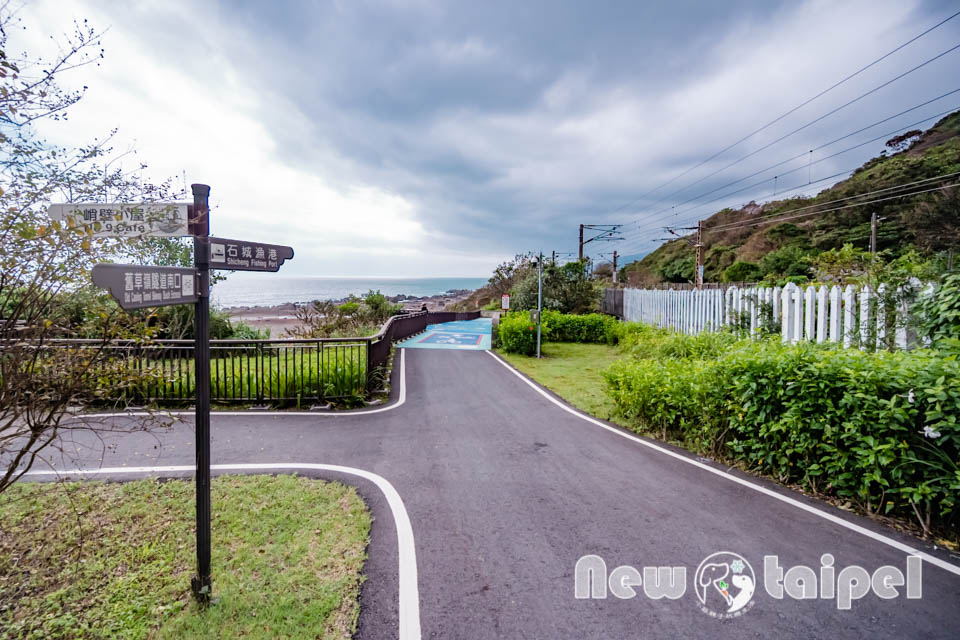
825, 158
776, 217
818, 161
791, 111
856, 204
859, 195
812, 122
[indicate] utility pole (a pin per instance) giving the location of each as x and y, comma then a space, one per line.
873, 233
553, 257
539, 298
614, 266
607, 233
699, 246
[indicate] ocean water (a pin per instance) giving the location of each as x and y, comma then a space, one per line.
246, 289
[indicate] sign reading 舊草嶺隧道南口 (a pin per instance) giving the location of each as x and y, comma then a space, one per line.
244, 255
126, 220
137, 286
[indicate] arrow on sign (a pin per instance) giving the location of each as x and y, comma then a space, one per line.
137, 286
243, 255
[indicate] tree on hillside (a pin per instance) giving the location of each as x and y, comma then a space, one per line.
566, 288
936, 224
508, 273
44, 265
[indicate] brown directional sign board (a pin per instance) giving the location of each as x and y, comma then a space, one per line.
243, 255
137, 287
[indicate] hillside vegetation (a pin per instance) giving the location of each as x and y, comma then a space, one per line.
924, 226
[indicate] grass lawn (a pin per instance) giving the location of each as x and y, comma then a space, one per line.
572, 371
93, 559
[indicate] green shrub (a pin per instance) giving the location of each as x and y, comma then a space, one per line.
664, 343
592, 328
742, 271
939, 314
516, 334
878, 429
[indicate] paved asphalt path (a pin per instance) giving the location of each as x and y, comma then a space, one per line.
506, 490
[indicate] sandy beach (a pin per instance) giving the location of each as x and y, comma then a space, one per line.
283, 317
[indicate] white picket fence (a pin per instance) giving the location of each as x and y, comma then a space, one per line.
849, 315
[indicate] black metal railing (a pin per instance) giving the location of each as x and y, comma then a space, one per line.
287, 372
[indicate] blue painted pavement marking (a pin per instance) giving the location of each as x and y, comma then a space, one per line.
462, 334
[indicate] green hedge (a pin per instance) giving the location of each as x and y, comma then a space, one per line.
877, 429
590, 328
516, 334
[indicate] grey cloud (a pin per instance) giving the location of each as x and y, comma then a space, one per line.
509, 123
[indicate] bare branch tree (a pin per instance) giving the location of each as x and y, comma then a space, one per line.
45, 290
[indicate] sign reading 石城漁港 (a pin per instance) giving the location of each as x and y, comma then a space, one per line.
243, 255
126, 220
137, 286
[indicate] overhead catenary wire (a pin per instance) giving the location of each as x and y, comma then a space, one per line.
790, 111
752, 223
812, 122
812, 162
782, 216
853, 197
651, 215
637, 230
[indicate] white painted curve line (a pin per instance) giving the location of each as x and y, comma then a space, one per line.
332, 414
952, 568
409, 605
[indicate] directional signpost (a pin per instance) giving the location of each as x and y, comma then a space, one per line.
126, 220
241, 255
137, 287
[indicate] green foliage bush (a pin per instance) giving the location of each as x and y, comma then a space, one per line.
878, 429
939, 314
516, 334
786, 262
592, 328
742, 271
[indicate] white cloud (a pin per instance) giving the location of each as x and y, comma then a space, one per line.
202, 120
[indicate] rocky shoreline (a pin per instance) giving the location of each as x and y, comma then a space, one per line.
282, 317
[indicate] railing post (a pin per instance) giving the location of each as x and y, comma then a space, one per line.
367, 382
260, 373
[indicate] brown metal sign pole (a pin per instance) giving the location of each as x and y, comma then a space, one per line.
200, 228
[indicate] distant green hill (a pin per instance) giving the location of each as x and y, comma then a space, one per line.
775, 250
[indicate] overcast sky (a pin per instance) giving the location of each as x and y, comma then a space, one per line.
416, 137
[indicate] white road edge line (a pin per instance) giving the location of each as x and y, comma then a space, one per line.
952, 568
409, 609
337, 414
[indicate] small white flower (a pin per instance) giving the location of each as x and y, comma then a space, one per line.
930, 432
910, 396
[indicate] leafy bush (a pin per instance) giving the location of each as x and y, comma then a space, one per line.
878, 429
742, 271
516, 334
786, 262
677, 270
664, 343
939, 314
590, 328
